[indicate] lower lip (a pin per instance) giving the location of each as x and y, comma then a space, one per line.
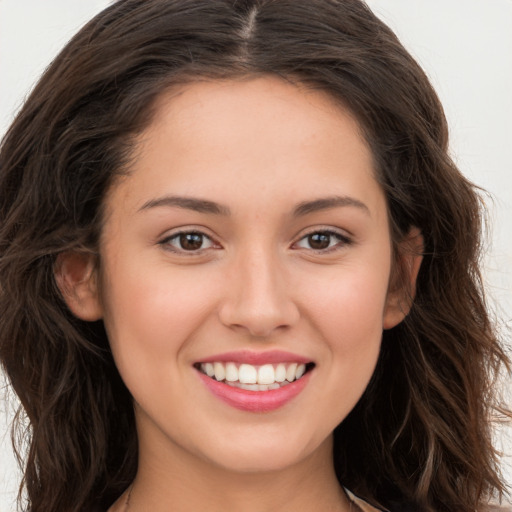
255, 401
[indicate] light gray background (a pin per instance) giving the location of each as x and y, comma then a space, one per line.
464, 45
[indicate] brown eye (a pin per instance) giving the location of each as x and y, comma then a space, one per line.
191, 241
323, 241
188, 241
319, 241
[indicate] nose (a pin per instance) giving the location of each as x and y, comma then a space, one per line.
258, 297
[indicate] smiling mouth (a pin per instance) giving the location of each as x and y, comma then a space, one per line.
250, 377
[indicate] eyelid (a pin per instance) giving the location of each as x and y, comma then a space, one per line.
344, 239
173, 234
343, 236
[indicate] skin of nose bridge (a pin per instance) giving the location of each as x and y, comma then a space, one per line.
258, 301
260, 274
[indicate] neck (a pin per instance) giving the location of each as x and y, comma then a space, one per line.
185, 483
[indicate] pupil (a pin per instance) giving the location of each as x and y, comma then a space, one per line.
319, 240
191, 241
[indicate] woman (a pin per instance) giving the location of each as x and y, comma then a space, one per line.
239, 269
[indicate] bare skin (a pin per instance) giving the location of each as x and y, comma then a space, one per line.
285, 491
276, 187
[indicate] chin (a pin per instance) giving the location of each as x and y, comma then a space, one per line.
268, 454
258, 463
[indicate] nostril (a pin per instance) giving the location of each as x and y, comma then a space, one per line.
259, 309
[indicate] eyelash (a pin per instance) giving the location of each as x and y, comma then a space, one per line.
167, 242
343, 241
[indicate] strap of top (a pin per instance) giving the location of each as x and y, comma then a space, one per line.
365, 507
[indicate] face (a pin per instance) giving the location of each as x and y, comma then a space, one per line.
250, 242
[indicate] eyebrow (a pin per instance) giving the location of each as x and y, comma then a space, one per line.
325, 203
206, 206
187, 203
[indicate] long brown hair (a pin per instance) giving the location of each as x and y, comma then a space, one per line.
421, 433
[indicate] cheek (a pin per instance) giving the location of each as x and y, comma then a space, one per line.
348, 315
350, 305
150, 315
355, 333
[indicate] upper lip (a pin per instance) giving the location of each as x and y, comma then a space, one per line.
256, 358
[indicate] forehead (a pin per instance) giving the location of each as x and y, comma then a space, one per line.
258, 104
261, 135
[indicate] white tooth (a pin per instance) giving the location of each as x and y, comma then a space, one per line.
208, 368
280, 373
290, 372
300, 371
263, 387
274, 386
220, 371
247, 374
250, 387
232, 384
266, 374
231, 372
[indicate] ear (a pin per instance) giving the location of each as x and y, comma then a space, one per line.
402, 287
75, 274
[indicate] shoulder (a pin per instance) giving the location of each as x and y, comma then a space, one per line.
366, 507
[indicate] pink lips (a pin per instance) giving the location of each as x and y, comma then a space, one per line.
255, 401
